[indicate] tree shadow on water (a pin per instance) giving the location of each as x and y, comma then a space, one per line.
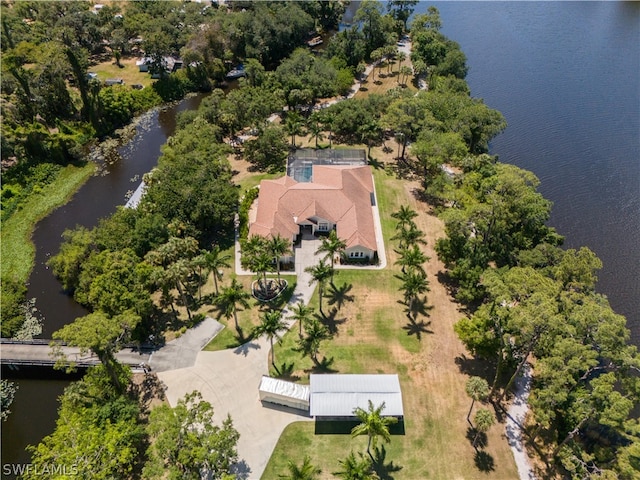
484, 462
382, 469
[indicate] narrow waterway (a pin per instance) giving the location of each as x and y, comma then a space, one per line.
35, 406
96, 199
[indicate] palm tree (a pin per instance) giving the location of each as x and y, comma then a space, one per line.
411, 258
405, 216
177, 273
278, 246
401, 58
370, 132
484, 419
293, 125
408, 236
301, 313
214, 260
230, 298
320, 273
478, 389
413, 284
261, 264
373, 425
316, 332
354, 469
315, 129
306, 471
332, 246
271, 323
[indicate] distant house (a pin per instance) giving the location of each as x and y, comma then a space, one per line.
315, 199
170, 64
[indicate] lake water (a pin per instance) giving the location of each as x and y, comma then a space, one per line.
566, 76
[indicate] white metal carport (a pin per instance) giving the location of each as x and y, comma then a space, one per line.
337, 395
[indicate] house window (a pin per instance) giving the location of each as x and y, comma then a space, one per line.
323, 227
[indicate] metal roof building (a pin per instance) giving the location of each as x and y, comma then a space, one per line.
336, 396
289, 394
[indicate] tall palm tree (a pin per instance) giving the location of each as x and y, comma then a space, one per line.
214, 261
405, 216
478, 389
483, 419
261, 264
356, 469
315, 129
293, 125
271, 323
320, 273
278, 246
411, 258
332, 246
306, 471
315, 332
373, 424
413, 284
230, 298
408, 236
401, 58
301, 313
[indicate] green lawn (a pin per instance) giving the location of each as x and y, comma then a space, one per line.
17, 250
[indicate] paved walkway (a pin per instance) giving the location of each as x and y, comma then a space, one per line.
229, 379
515, 421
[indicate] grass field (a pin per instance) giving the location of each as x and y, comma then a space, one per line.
17, 249
129, 72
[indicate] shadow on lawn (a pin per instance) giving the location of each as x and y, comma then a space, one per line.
330, 321
338, 296
382, 469
484, 461
417, 328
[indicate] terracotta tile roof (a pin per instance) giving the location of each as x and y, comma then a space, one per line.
339, 194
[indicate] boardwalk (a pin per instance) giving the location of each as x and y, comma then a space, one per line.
40, 354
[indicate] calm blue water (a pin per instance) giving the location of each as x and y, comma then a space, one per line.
566, 75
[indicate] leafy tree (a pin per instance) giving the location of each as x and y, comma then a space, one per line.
230, 298
302, 314
97, 434
356, 469
332, 246
74, 251
315, 333
373, 424
103, 336
7, 393
306, 471
402, 10
268, 152
320, 273
478, 389
187, 442
271, 323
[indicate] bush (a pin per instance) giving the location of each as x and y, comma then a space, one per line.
245, 205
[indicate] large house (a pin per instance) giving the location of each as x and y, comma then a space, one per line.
339, 197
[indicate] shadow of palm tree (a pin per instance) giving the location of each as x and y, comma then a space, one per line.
417, 328
382, 469
285, 372
481, 441
324, 366
338, 296
330, 321
419, 307
484, 462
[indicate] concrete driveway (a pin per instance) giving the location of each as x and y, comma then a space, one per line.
229, 379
